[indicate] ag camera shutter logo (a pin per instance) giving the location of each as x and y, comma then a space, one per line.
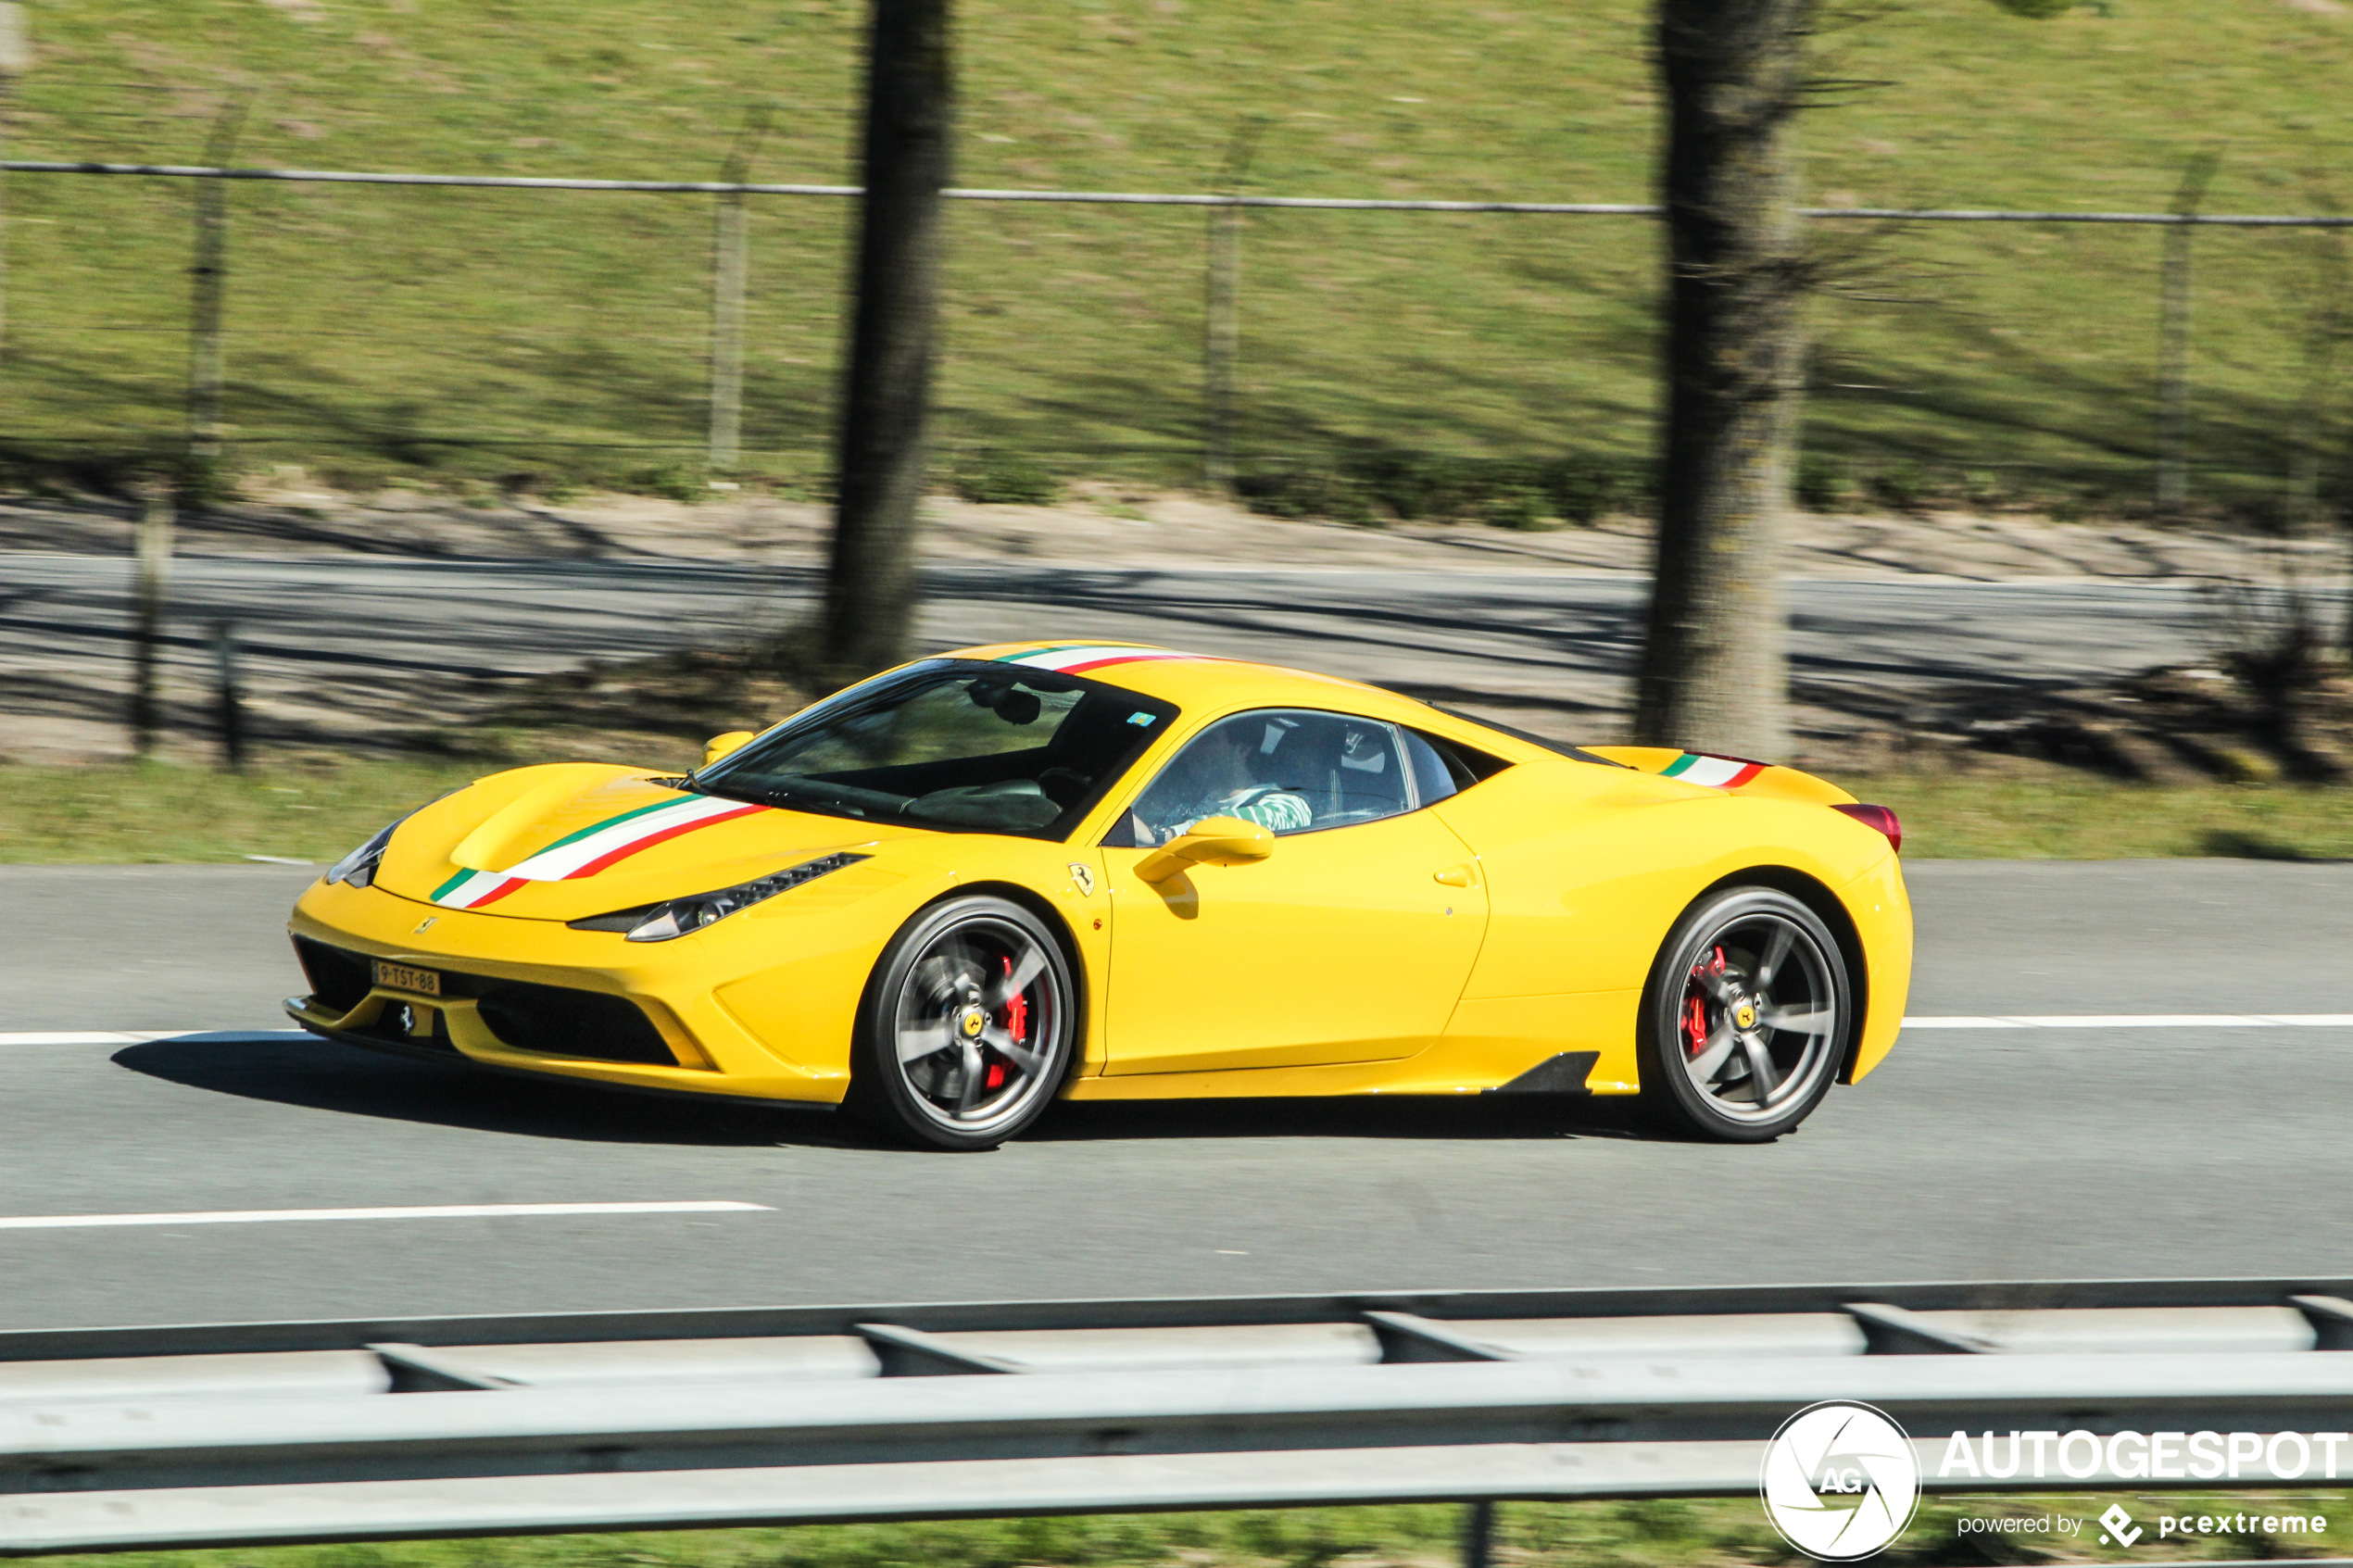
1840, 1481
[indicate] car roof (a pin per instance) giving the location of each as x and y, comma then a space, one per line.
1207, 683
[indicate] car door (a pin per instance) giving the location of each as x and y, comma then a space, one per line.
1342, 946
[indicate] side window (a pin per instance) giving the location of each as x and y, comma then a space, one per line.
1433, 780
1287, 769
1442, 767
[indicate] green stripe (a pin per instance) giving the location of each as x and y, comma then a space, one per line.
599, 827
1033, 653
1679, 765
568, 838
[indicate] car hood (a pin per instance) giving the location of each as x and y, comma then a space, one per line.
574, 839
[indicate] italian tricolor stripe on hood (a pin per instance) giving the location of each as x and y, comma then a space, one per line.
1722, 773
592, 848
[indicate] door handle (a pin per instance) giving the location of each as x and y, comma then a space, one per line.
1453, 876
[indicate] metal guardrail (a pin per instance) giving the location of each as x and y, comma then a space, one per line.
219, 1434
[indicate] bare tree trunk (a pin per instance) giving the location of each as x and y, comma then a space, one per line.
870, 598
1713, 673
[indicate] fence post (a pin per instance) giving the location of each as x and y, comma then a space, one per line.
207, 276
16, 55
153, 553
2328, 324
1221, 323
228, 696
2174, 344
730, 272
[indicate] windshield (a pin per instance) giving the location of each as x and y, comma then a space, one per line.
956, 745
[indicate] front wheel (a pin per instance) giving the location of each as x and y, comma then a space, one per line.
1746, 1017
967, 1029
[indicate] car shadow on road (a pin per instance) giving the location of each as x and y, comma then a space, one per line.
1355, 1116
346, 1079
323, 1075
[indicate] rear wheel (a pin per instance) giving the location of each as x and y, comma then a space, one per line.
1746, 1017
968, 1028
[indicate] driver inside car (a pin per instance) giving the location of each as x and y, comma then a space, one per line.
1217, 777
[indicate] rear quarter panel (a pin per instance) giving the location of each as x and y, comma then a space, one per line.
1588, 868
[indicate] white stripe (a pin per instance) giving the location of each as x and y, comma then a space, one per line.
554, 865
1063, 658
447, 1212
2142, 1021
477, 887
1711, 770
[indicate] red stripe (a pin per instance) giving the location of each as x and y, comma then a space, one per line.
1123, 658
614, 856
499, 892
1743, 776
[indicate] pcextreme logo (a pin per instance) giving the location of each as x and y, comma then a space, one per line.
1840, 1481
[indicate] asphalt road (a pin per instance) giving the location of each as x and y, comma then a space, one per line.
2078, 1152
344, 642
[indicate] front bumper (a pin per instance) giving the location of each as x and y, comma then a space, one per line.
712, 1013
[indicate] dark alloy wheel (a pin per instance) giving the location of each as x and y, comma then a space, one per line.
968, 1028
1746, 1017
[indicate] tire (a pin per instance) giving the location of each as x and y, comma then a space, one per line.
967, 1029
1739, 958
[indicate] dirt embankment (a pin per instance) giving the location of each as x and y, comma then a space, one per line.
1102, 525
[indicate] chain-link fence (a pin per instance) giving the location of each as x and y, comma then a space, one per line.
670, 335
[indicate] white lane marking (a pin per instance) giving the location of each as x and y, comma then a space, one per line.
2143, 1021
442, 1212
140, 1036
93, 1037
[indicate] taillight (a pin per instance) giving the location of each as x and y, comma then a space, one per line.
1879, 818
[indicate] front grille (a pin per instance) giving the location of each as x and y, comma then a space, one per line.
391, 1028
339, 980
552, 1019
558, 1021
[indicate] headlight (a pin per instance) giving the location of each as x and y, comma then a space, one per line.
677, 917
359, 868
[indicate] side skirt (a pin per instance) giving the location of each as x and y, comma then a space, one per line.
1563, 1074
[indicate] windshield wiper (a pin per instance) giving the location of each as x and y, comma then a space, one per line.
694, 786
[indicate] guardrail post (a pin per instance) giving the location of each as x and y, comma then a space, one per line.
1221, 323
154, 557
1479, 1535
2173, 348
730, 273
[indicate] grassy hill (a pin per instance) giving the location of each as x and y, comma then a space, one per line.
375, 333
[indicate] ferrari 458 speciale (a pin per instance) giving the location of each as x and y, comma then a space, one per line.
948, 896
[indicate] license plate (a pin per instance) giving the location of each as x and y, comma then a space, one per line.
401, 977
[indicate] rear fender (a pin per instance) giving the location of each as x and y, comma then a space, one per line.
1733, 776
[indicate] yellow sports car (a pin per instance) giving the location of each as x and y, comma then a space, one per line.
948, 895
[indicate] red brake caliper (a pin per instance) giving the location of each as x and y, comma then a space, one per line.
1695, 1006
1016, 1024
